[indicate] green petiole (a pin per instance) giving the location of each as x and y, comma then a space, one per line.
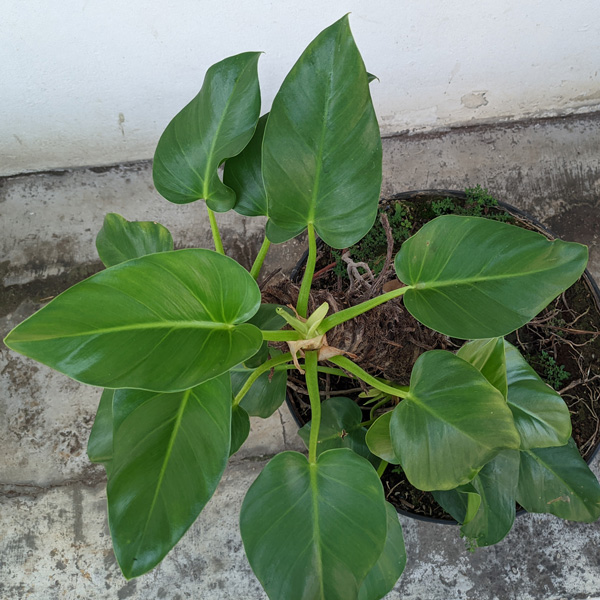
260, 258
352, 312
348, 365
302, 305
266, 366
215, 231
312, 384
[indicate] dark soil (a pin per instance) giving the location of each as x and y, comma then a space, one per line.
562, 343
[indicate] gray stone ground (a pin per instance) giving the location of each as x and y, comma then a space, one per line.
54, 539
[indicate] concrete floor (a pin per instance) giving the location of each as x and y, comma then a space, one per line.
54, 539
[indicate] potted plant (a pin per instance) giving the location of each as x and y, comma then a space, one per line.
180, 342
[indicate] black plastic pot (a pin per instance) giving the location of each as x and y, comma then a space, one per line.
515, 212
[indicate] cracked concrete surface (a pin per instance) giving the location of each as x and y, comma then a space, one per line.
54, 539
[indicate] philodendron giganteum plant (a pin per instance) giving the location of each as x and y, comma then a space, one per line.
179, 340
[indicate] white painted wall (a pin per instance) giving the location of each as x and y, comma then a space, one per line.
93, 82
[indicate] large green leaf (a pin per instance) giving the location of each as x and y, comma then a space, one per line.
452, 422
120, 240
163, 322
321, 154
476, 278
488, 357
391, 563
541, 416
496, 485
216, 125
100, 442
379, 440
169, 455
340, 427
558, 481
243, 174
314, 530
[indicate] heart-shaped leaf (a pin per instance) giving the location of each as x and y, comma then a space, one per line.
558, 481
379, 440
340, 427
452, 422
100, 442
387, 570
243, 174
169, 455
120, 240
163, 322
321, 155
314, 530
216, 125
473, 278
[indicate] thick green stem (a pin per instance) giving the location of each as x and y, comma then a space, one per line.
349, 313
346, 363
266, 366
276, 335
215, 231
309, 271
260, 258
312, 385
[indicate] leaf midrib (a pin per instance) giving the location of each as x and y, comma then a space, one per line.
129, 327
476, 279
163, 469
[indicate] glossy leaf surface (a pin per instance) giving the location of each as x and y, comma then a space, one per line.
169, 455
216, 125
379, 440
340, 427
391, 563
475, 278
322, 147
100, 442
240, 428
163, 322
314, 531
496, 485
541, 416
120, 240
558, 481
452, 422
243, 174
488, 357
